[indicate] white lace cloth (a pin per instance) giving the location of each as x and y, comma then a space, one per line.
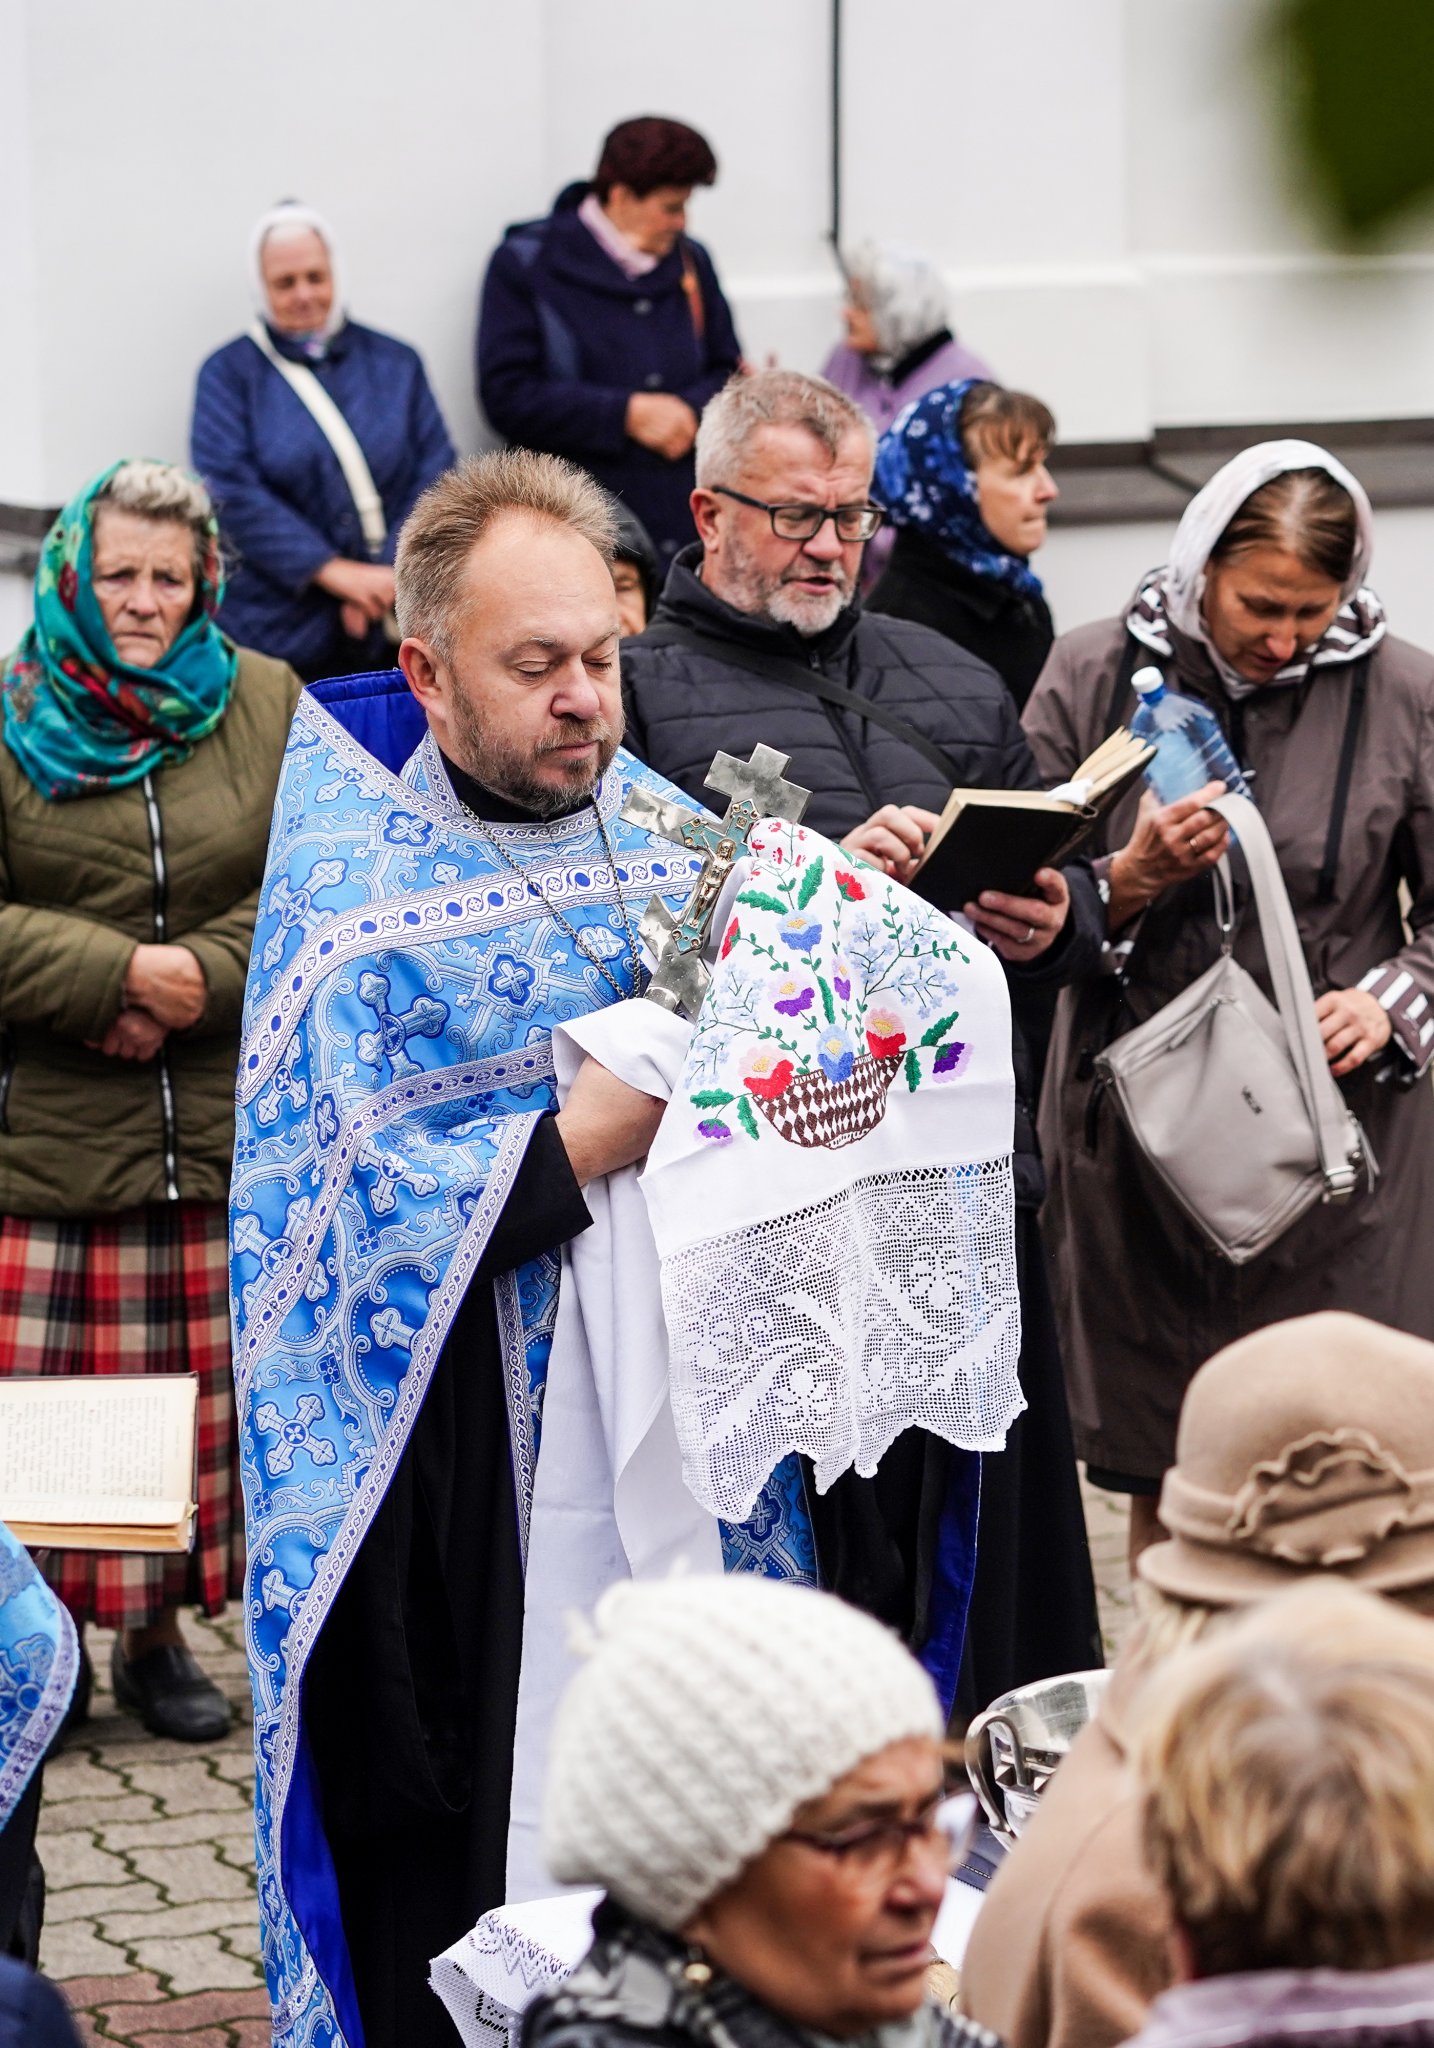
830, 1190
490, 1978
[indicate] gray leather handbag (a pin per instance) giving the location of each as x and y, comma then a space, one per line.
1229, 1096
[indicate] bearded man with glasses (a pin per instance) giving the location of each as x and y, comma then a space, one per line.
760, 637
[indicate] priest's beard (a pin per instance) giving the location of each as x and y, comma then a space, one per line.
528, 775
758, 592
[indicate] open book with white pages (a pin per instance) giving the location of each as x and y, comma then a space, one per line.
104, 1462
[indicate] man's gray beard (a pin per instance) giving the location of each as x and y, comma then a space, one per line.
512, 774
768, 597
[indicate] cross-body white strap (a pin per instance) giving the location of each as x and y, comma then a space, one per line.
339, 435
1294, 997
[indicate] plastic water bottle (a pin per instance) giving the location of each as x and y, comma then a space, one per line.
1190, 749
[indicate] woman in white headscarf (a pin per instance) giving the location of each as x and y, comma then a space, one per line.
1263, 613
315, 436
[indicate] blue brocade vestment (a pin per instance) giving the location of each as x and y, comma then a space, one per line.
396, 1057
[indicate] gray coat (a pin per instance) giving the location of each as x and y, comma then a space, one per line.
1142, 1301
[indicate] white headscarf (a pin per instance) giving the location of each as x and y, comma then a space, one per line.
904, 295
1173, 594
291, 217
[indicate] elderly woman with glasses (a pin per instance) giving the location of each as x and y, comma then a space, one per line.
754, 1773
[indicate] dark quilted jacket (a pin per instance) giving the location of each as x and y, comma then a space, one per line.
684, 705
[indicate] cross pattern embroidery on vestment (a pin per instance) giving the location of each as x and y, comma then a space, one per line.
390, 1172
424, 1019
295, 907
757, 789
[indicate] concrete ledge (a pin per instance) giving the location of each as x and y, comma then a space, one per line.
1106, 483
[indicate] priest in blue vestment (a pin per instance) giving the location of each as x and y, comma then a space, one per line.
449, 878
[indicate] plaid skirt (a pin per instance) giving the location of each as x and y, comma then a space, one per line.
147, 1291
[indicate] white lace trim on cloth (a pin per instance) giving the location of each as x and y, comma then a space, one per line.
831, 1330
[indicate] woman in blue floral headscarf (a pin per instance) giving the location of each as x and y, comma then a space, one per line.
962, 474
140, 754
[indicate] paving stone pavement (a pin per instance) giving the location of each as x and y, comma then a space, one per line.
151, 1921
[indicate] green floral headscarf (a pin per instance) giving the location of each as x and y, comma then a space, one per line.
76, 717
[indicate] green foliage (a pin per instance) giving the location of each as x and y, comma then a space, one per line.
1354, 81
913, 1070
711, 1098
827, 1004
811, 882
939, 1029
746, 1118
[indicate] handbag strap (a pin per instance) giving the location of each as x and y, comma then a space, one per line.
1358, 690
1294, 997
776, 668
339, 435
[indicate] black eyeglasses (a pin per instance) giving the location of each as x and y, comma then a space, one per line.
804, 522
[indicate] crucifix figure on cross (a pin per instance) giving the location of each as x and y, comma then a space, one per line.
757, 789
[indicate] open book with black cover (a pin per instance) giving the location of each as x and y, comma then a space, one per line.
997, 838
102, 1462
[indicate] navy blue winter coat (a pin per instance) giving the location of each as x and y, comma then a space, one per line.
565, 339
284, 508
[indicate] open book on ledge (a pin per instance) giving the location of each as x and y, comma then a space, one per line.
100, 1463
997, 838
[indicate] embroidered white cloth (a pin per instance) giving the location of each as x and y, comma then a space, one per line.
830, 1190
490, 1977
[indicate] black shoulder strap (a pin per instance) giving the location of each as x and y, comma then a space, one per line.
776, 668
1344, 775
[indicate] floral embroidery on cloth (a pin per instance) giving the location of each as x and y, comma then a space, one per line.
830, 1189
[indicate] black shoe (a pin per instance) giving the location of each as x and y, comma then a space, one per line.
77, 1713
170, 1693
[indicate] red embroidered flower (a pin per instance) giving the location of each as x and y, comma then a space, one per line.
68, 585
850, 887
729, 940
770, 1086
884, 1035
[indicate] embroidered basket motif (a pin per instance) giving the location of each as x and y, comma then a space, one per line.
816, 1111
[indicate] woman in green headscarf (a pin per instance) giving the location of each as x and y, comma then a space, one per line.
141, 752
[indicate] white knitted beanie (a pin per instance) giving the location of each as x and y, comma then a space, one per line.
709, 1709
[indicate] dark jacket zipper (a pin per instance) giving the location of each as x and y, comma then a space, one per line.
170, 1122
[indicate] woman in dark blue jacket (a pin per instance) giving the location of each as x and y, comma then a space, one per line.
603, 331
312, 529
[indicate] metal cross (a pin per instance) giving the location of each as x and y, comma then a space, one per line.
757, 790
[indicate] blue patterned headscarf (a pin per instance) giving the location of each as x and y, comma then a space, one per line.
925, 482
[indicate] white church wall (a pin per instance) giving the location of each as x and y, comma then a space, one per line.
1099, 180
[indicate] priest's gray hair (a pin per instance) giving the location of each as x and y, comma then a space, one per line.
453, 514
161, 490
772, 398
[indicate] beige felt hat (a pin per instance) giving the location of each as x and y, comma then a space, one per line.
1307, 1447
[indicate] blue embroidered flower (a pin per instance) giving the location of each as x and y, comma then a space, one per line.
836, 1058
799, 931
402, 828
794, 998
511, 979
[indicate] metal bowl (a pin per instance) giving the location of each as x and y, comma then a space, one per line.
1015, 1745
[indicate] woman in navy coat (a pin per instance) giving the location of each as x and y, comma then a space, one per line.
309, 584
603, 331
